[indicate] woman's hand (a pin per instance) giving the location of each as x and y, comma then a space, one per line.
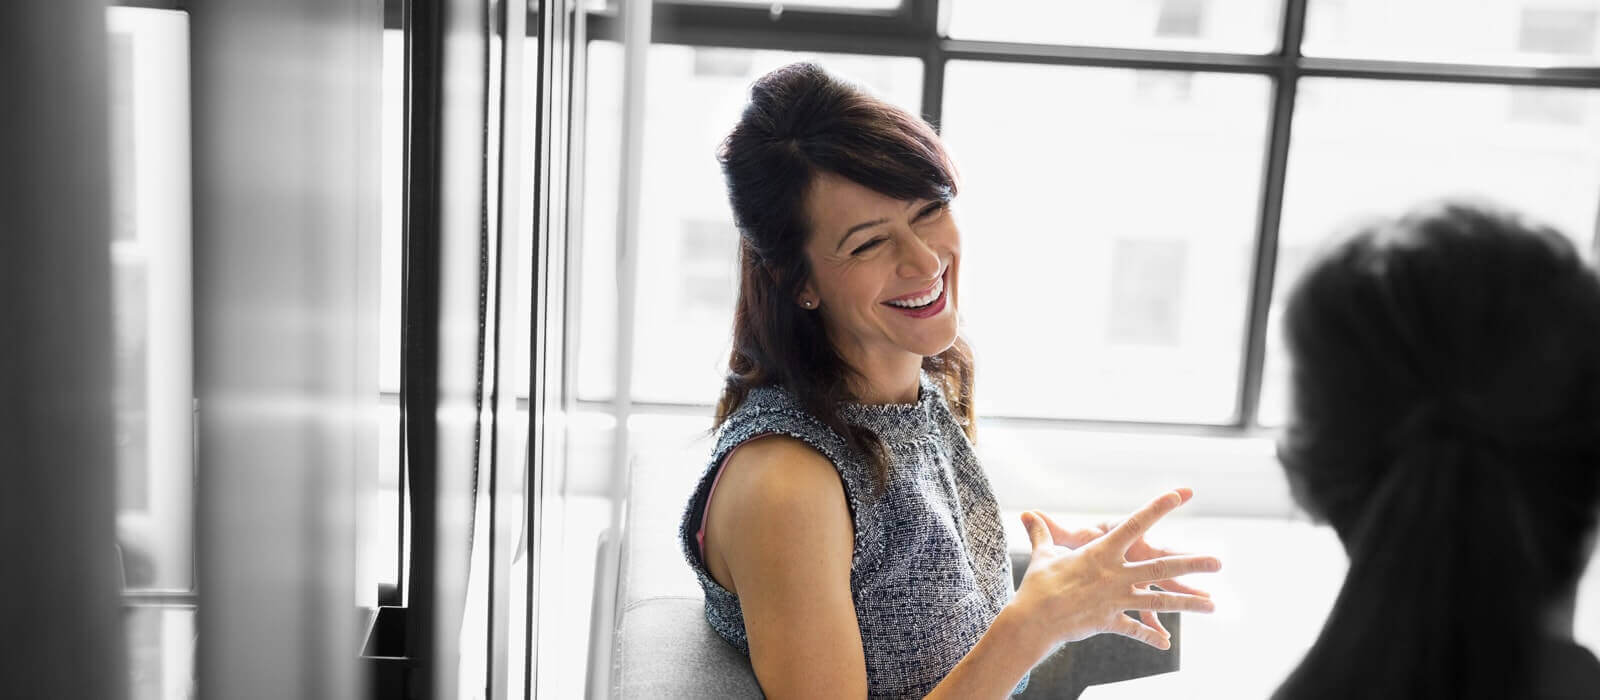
1070, 594
1140, 551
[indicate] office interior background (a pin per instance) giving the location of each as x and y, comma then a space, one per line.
411, 314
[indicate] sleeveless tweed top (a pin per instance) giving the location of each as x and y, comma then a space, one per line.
930, 570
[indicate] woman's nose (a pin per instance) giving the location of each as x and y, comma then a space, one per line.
918, 260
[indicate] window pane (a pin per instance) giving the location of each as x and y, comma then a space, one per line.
391, 153
801, 4
687, 243
1108, 217
161, 652
152, 297
1453, 31
1243, 26
378, 555
875, 6
1373, 147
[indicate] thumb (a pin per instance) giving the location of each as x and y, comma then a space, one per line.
1038, 531
1071, 538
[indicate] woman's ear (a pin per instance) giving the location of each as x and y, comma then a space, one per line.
808, 297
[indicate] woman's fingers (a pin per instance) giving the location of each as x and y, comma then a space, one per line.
1168, 568
1129, 627
1134, 526
1180, 587
1038, 532
1164, 601
1072, 538
1153, 621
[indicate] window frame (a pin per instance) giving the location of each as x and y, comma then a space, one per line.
918, 30
168, 597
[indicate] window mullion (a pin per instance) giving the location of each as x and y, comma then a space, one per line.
933, 63
1286, 82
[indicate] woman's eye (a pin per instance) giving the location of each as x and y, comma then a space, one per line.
869, 245
930, 210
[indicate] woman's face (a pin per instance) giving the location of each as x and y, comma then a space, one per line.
884, 272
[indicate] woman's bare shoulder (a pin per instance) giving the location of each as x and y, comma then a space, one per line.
778, 463
777, 495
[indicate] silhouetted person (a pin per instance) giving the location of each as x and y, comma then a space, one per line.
1446, 423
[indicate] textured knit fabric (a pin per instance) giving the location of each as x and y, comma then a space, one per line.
930, 570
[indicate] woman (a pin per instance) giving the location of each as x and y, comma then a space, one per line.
1446, 422
844, 534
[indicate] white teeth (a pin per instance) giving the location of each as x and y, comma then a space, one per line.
924, 300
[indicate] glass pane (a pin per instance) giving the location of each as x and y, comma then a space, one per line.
391, 153
1374, 147
161, 650
1241, 26
687, 267
152, 296
378, 555
1108, 218
1497, 31
801, 4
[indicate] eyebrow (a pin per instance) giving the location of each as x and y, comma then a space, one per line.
855, 228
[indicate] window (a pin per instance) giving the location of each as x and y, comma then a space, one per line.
706, 263
721, 63
1119, 192
1546, 106
153, 336
1556, 32
857, 5
1563, 32
379, 554
1368, 147
1245, 26
1122, 182
1180, 18
874, 6
1059, 178
1147, 292
684, 311
1162, 87
1499, 32
1056, 181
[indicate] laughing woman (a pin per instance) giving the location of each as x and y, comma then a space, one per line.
844, 533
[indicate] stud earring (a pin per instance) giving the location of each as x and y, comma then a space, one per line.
808, 303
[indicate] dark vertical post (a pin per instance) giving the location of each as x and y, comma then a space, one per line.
60, 631
1286, 81
927, 27
444, 292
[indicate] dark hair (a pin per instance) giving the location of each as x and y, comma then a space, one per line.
1446, 423
801, 121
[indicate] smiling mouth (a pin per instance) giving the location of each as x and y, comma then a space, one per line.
924, 298
923, 304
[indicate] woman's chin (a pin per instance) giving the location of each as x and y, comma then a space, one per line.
930, 346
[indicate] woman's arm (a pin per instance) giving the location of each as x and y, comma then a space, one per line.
780, 536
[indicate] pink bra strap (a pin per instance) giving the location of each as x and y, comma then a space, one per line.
700, 535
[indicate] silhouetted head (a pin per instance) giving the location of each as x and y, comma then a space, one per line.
841, 203
1446, 422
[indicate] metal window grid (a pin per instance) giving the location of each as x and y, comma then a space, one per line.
916, 30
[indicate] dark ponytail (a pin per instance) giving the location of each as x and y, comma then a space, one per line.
1415, 618
1446, 380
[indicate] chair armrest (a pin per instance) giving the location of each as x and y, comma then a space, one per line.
665, 650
